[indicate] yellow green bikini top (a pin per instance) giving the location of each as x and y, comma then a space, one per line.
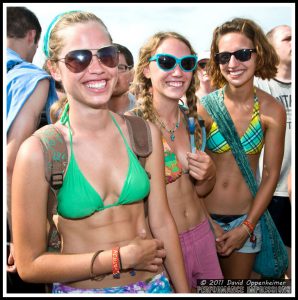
78, 199
252, 140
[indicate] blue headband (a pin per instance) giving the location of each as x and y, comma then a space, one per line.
49, 30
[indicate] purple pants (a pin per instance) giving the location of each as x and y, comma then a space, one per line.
199, 253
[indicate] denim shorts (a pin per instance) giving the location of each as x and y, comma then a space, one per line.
157, 284
227, 223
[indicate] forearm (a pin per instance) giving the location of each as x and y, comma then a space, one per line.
204, 187
174, 259
263, 197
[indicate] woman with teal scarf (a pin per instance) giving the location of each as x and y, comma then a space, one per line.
240, 51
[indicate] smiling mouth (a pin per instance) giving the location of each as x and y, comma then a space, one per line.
236, 73
97, 85
175, 83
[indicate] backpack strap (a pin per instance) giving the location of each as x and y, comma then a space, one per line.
55, 158
140, 137
55, 154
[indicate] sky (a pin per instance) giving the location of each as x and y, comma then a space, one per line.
131, 24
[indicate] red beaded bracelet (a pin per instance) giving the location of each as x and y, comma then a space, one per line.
115, 262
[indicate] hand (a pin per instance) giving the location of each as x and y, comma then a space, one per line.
201, 166
143, 254
218, 232
233, 239
11, 267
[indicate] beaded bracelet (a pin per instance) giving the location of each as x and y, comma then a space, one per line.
92, 275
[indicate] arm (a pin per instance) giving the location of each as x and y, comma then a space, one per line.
202, 169
201, 165
23, 126
29, 226
274, 116
161, 221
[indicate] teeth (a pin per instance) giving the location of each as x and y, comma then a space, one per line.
97, 85
236, 73
175, 83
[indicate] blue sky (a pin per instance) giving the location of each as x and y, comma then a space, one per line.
132, 24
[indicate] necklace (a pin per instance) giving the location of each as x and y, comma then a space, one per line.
170, 131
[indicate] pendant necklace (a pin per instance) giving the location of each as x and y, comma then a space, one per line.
170, 131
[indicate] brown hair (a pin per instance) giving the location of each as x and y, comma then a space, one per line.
142, 86
56, 43
267, 59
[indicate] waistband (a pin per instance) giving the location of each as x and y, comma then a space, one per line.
199, 230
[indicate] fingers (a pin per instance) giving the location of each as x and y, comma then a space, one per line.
161, 253
201, 165
159, 244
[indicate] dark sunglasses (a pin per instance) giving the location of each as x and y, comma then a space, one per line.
123, 68
241, 55
168, 62
78, 60
202, 65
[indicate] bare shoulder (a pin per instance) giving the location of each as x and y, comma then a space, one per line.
270, 106
31, 153
204, 115
155, 131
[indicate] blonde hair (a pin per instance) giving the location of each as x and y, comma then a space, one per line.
142, 86
56, 44
266, 61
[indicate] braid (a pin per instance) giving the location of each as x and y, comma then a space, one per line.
192, 110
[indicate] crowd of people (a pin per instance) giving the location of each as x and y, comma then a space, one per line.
185, 212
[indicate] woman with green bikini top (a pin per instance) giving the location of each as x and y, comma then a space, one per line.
107, 246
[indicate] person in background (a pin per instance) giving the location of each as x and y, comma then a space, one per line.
29, 90
204, 85
107, 245
166, 71
240, 51
122, 100
280, 87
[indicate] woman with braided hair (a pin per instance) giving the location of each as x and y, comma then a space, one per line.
166, 71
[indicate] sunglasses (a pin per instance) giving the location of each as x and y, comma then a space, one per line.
78, 60
168, 62
202, 65
241, 55
123, 68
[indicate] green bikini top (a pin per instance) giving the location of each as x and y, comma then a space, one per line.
78, 199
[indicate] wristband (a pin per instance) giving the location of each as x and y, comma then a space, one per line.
115, 262
249, 226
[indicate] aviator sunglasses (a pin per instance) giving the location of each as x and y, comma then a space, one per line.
168, 62
241, 55
78, 60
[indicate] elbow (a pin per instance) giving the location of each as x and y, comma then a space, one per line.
26, 274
